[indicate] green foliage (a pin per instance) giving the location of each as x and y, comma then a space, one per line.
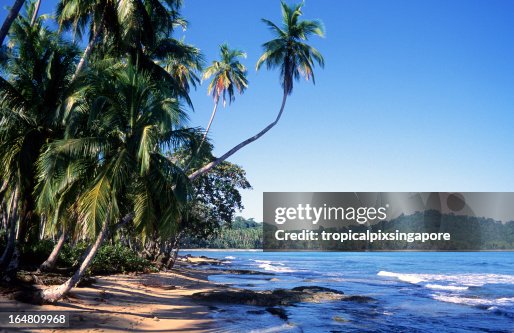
240, 234
227, 73
112, 259
216, 198
70, 254
242, 223
35, 253
289, 50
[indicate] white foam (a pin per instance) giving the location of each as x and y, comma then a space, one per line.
411, 278
440, 287
270, 267
230, 257
458, 280
278, 267
474, 301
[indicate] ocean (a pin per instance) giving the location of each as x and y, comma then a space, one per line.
413, 291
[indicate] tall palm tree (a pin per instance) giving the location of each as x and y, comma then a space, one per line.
118, 133
227, 73
13, 13
33, 101
290, 52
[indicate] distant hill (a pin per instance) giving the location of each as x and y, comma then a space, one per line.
240, 234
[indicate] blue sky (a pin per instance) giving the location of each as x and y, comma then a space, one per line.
415, 96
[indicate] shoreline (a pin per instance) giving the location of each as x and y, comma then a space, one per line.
153, 302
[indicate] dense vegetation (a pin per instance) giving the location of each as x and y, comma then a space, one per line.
240, 234
95, 141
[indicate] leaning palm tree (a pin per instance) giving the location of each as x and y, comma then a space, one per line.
289, 52
117, 137
227, 73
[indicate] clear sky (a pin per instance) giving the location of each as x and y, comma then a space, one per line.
415, 96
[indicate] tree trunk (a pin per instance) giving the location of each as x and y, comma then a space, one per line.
36, 11
206, 168
175, 248
89, 48
49, 263
53, 294
209, 124
13, 13
11, 242
85, 55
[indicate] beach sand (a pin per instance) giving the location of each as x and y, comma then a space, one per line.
154, 302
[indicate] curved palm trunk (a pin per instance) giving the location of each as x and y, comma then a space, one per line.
209, 125
206, 168
36, 11
13, 13
11, 242
52, 295
49, 263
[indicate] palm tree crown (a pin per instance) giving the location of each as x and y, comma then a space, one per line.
227, 73
288, 49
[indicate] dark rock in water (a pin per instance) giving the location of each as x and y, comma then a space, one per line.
272, 298
317, 289
358, 299
281, 313
340, 319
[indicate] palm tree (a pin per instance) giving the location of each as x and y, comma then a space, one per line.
76, 15
227, 73
183, 63
289, 52
171, 62
33, 101
117, 135
13, 13
128, 25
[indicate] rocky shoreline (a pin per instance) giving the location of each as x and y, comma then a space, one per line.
274, 301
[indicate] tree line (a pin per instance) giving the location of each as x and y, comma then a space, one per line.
239, 234
467, 233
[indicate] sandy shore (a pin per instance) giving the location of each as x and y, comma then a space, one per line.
155, 302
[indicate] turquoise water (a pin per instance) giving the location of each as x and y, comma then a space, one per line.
414, 291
